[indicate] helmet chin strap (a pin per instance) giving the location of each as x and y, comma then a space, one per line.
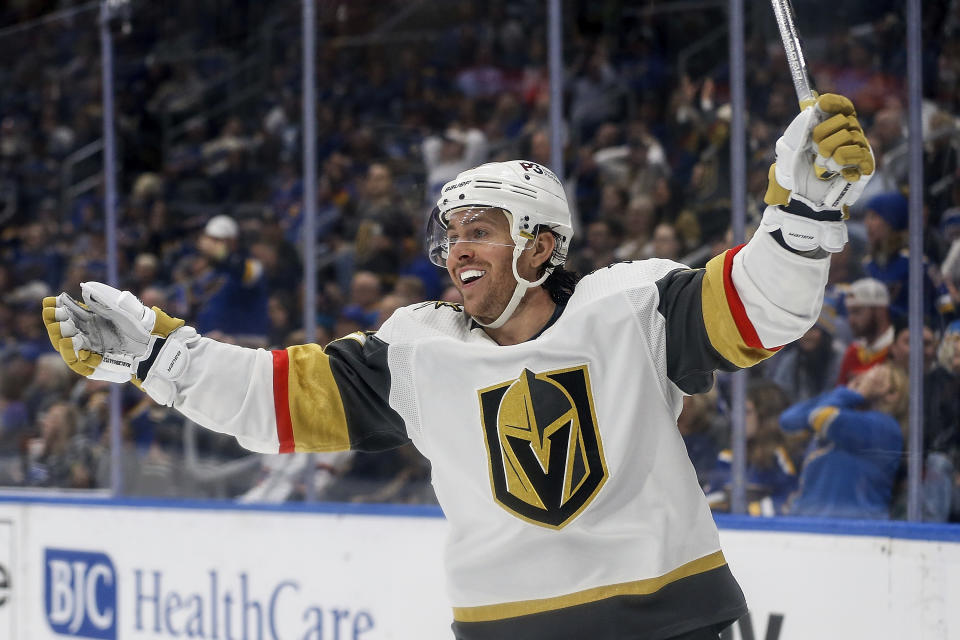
522, 285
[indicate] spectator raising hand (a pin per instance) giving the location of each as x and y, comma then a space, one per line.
856, 445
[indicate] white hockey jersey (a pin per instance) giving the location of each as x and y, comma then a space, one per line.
573, 506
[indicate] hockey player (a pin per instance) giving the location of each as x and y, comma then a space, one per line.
547, 409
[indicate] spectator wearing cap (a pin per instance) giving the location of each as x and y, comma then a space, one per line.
458, 149
886, 222
857, 441
811, 365
232, 290
868, 312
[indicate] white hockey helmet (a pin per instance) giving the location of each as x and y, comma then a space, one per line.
529, 193
532, 198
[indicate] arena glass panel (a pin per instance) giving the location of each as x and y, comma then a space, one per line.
209, 122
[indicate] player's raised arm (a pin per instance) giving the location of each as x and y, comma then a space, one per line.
753, 299
303, 398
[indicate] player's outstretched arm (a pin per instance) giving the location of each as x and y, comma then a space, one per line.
822, 165
751, 300
303, 398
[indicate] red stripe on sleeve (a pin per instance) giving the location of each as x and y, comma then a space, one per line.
281, 404
744, 326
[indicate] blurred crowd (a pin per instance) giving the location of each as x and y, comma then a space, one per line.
211, 219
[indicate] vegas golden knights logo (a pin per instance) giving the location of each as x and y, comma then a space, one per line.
546, 458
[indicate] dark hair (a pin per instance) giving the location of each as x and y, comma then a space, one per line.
769, 400
560, 284
811, 372
901, 322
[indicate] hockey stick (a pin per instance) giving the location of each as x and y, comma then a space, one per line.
792, 46
783, 11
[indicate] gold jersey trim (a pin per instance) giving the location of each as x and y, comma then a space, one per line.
718, 318
316, 408
491, 612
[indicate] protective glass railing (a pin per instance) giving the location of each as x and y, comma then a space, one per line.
210, 129
51, 128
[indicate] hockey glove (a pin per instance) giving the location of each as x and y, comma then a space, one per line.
112, 336
823, 165
62, 316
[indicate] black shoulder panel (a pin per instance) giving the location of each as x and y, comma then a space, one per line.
363, 378
691, 358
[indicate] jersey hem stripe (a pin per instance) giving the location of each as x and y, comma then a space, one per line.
281, 406
486, 613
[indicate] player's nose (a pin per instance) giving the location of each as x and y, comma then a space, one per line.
464, 250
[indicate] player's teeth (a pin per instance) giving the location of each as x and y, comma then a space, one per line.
470, 274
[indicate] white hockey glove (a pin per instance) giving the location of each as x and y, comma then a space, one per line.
112, 336
823, 165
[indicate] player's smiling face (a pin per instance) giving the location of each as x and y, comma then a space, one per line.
480, 260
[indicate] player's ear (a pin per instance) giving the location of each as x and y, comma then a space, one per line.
543, 246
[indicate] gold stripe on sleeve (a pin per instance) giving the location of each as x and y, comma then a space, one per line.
316, 409
637, 588
719, 320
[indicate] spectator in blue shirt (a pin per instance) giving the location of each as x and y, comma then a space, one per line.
232, 292
886, 222
856, 447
